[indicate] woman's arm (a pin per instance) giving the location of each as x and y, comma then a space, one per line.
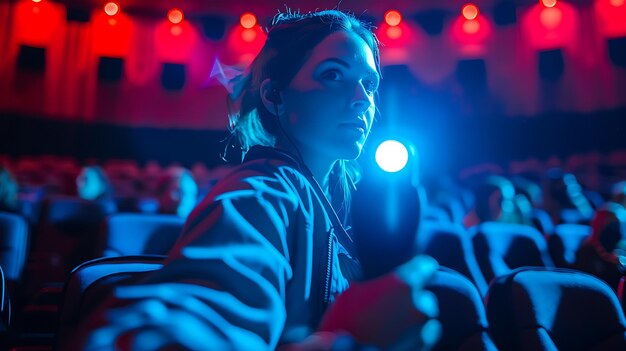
223, 286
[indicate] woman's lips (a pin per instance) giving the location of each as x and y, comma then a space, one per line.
355, 126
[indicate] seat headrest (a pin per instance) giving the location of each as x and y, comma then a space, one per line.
451, 246
61, 209
521, 245
134, 234
577, 310
461, 310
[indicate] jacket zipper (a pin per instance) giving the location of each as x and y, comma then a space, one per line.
329, 267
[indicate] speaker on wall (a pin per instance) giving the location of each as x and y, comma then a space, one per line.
432, 21
110, 69
505, 13
617, 51
551, 64
78, 14
173, 76
213, 26
31, 58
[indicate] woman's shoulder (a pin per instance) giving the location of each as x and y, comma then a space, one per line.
265, 164
271, 176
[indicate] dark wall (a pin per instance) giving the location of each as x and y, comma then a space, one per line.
445, 143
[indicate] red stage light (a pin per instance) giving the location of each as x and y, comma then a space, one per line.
471, 27
548, 3
111, 8
617, 3
470, 11
176, 30
248, 35
175, 16
247, 20
394, 32
550, 17
393, 18
36, 0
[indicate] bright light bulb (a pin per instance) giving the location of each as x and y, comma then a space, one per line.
470, 11
247, 20
175, 16
548, 3
391, 156
393, 18
111, 8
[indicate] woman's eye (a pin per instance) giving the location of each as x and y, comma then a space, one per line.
332, 75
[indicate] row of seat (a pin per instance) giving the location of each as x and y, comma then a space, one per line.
70, 232
530, 308
492, 249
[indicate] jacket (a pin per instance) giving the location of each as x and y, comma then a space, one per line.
259, 261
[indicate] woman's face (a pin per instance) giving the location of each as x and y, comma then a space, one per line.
328, 107
89, 185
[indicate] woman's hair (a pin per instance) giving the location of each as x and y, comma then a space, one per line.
8, 190
104, 189
290, 41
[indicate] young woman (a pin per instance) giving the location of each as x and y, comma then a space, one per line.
265, 253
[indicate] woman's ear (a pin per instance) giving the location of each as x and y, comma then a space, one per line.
270, 96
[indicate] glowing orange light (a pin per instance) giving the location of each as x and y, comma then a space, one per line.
112, 22
393, 18
617, 3
471, 26
548, 3
36, 0
36, 9
550, 17
175, 16
470, 11
247, 20
394, 32
176, 30
246, 58
248, 35
111, 8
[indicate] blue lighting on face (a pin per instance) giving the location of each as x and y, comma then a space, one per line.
392, 156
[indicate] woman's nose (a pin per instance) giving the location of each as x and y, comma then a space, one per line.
361, 100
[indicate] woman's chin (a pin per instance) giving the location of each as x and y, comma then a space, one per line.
351, 152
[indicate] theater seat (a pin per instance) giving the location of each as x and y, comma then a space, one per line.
502, 247
565, 242
5, 308
535, 308
542, 221
13, 245
140, 234
67, 236
90, 283
451, 246
461, 313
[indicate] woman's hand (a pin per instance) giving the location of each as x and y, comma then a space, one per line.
393, 311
